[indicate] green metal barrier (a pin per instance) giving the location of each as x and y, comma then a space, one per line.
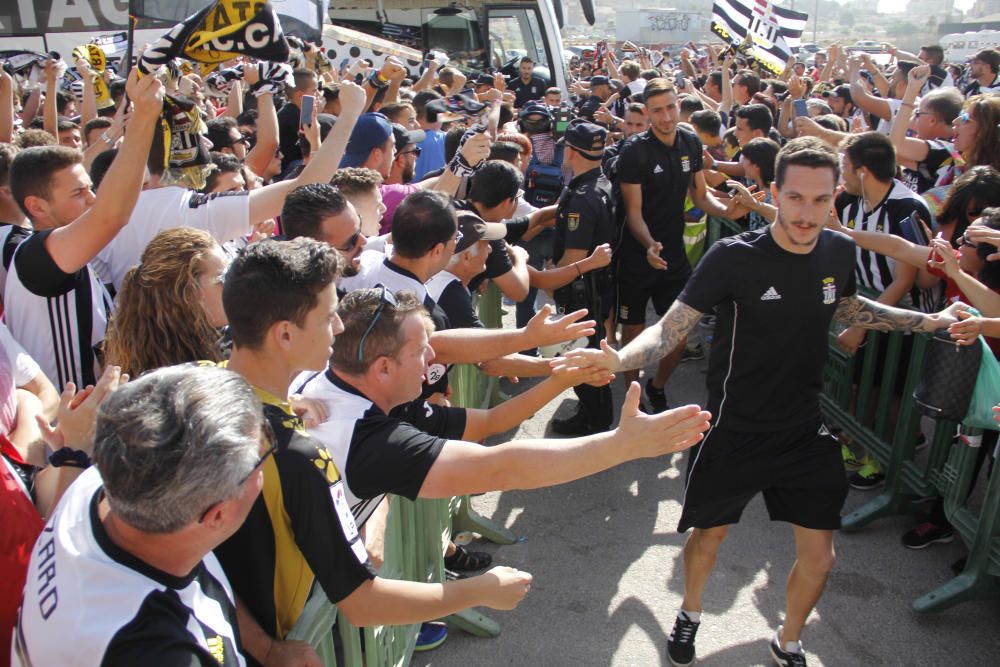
415, 538
719, 228
947, 468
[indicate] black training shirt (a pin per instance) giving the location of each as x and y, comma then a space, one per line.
526, 92
773, 308
585, 216
665, 174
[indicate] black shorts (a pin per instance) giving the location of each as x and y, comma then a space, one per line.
799, 470
634, 292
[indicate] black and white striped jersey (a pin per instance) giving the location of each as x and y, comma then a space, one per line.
60, 318
873, 270
89, 602
10, 237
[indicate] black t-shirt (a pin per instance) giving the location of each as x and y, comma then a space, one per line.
665, 174
380, 453
935, 167
585, 217
773, 311
454, 299
526, 92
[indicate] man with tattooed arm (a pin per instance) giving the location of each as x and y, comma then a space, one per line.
775, 292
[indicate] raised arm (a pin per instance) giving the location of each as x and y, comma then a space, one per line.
79, 242
909, 150
266, 202
860, 95
88, 107
50, 117
267, 127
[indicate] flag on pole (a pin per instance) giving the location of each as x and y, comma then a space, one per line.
771, 33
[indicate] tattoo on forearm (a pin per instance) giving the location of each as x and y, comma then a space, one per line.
660, 339
861, 312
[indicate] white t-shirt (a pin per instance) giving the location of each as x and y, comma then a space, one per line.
24, 367
89, 602
224, 215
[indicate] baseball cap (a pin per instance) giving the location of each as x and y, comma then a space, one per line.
586, 137
406, 137
371, 131
484, 80
474, 229
843, 91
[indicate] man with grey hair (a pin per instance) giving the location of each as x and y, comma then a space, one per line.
123, 573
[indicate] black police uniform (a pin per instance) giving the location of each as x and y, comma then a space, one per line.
665, 174
585, 219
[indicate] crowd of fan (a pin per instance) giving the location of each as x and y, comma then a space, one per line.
325, 271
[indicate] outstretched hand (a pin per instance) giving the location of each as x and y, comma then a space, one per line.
542, 331
605, 359
664, 433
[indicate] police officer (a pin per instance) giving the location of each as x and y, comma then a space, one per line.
585, 219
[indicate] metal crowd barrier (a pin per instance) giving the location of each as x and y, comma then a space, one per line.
946, 470
415, 537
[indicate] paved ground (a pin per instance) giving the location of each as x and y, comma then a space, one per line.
608, 579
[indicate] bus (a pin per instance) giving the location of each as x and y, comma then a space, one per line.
478, 35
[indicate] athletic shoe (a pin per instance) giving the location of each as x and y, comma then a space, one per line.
431, 636
784, 658
680, 646
926, 534
870, 476
657, 398
693, 353
576, 425
851, 461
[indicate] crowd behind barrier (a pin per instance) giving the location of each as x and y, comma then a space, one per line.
253, 328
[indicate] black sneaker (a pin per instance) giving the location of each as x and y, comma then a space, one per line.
657, 398
576, 425
784, 658
680, 646
926, 534
693, 353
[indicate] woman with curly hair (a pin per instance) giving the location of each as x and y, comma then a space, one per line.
169, 308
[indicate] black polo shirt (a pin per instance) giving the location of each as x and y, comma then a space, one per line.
585, 215
665, 174
526, 92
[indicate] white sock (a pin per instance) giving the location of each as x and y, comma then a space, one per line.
790, 647
693, 616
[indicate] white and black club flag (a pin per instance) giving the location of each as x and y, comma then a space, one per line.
776, 32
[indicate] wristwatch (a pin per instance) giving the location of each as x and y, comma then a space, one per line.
106, 138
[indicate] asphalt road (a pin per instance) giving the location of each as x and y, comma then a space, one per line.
607, 563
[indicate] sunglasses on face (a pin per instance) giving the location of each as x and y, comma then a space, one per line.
962, 118
414, 151
351, 242
385, 298
964, 240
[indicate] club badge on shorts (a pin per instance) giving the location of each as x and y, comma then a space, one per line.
573, 222
829, 290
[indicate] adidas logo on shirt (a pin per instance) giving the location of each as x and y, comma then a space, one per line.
658, 169
770, 295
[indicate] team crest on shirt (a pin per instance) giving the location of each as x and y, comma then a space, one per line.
685, 163
829, 290
326, 465
623, 312
573, 222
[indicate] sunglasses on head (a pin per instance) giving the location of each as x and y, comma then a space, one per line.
386, 297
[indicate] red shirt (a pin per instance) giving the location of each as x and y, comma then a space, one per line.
21, 527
